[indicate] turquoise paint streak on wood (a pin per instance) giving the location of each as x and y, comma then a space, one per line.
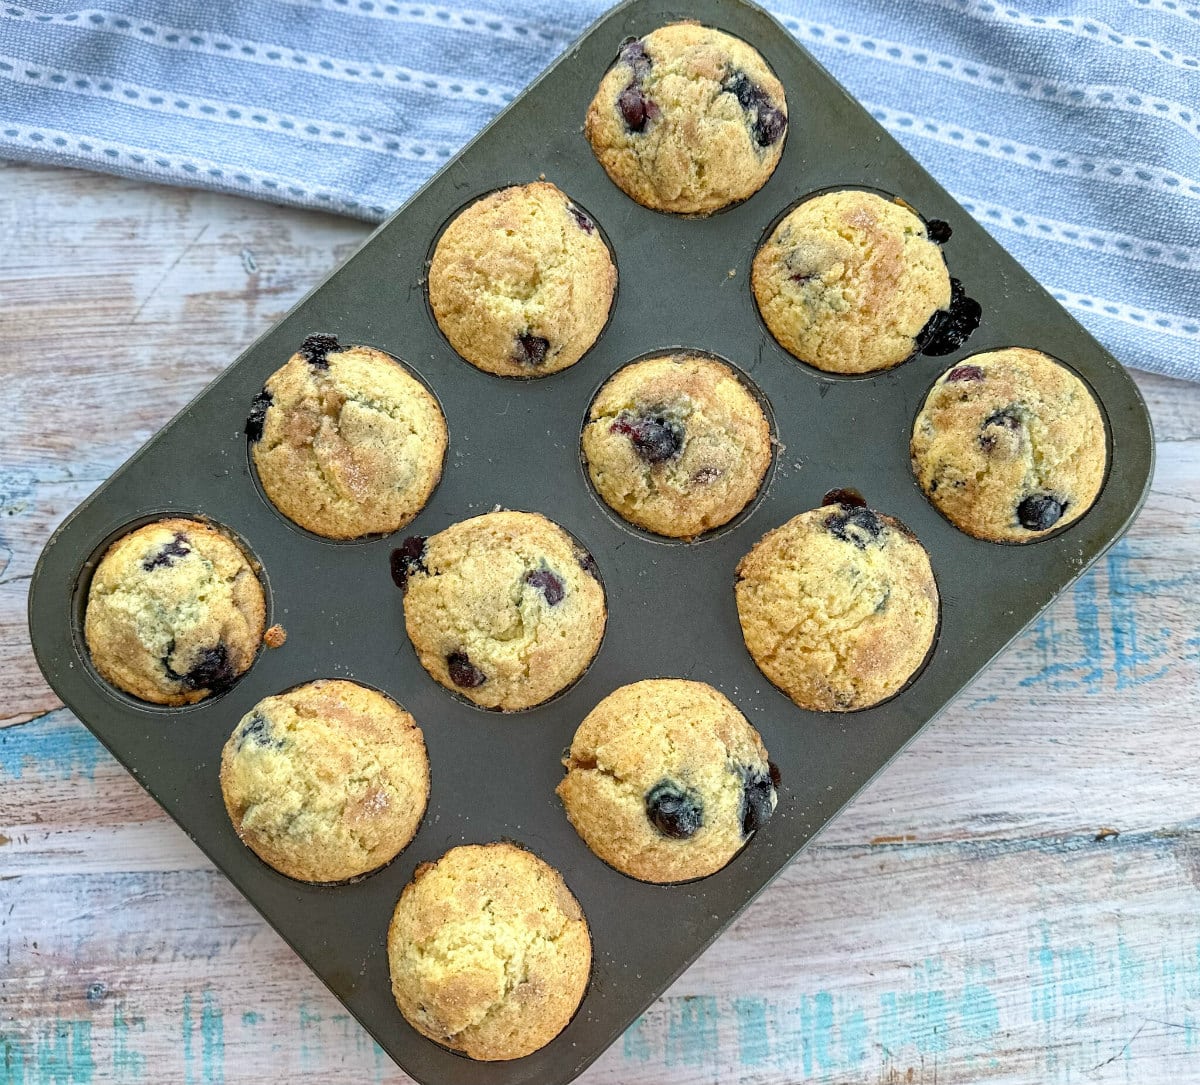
822, 1035
636, 1043
128, 1064
321, 1033
188, 1066
310, 1039
1083, 655
751, 1016
855, 1036
691, 1031
212, 1041
12, 1060
60, 1054
979, 1012
1130, 658
54, 745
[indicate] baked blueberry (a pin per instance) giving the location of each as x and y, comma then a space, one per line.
1040, 512
1006, 419
636, 109
949, 329
531, 349
258, 415
408, 558
758, 798
588, 564
177, 548
857, 525
585, 223
548, 583
656, 437
464, 673
674, 810
212, 670
938, 231
850, 499
769, 123
633, 53
316, 347
256, 729
964, 373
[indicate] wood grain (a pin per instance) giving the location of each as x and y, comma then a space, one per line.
1014, 900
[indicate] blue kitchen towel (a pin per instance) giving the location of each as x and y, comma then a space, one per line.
1070, 129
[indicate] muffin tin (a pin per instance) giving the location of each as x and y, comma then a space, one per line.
683, 283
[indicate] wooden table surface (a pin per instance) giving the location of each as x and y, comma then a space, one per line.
1015, 900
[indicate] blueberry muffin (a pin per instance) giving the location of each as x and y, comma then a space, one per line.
838, 607
521, 282
688, 119
175, 612
326, 781
504, 609
1010, 445
676, 445
489, 952
666, 780
346, 441
848, 281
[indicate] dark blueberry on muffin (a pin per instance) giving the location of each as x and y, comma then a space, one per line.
758, 799
949, 329
1006, 419
656, 437
938, 231
531, 349
408, 558
964, 373
316, 347
256, 729
674, 811
464, 673
857, 525
585, 223
258, 415
1040, 512
769, 123
850, 499
636, 109
588, 564
633, 53
212, 669
548, 583
177, 548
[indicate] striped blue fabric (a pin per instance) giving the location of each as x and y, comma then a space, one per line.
1070, 129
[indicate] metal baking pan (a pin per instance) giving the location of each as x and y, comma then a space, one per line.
683, 283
